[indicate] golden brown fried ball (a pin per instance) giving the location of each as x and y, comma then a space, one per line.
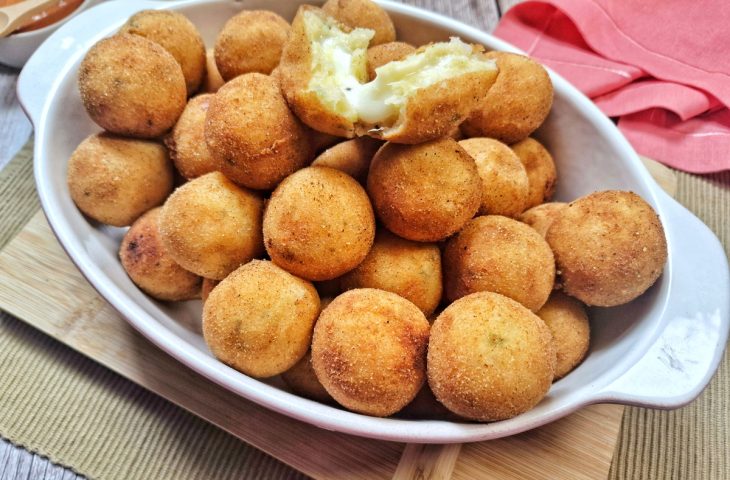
489, 358
259, 319
318, 224
351, 156
149, 265
186, 142
212, 81
114, 180
363, 14
176, 34
253, 135
567, 320
207, 287
501, 255
211, 226
383, 53
250, 41
369, 351
303, 381
505, 185
609, 247
409, 269
132, 86
542, 216
540, 169
424, 192
517, 103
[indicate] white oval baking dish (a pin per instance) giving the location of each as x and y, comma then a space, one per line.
658, 351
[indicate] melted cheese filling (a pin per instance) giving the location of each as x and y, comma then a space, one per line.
339, 69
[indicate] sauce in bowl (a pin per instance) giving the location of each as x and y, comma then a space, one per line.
48, 16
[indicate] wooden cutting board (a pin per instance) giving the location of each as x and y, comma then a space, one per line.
41, 286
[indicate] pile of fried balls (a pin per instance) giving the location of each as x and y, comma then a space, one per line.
364, 217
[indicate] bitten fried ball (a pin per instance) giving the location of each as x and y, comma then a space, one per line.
253, 135
176, 34
250, 41
149, 265
323, 71
501, 255
609, 247
505, 185
424, 192
518, 102
303, 381
114, 180
186, 142
489, 358
212, 81
207, 287
409, 269
369, 351
318, 224
542, 216
540, 168
363, 14
567, 320
351, 156
132, 86
211, 226
259, 319
379, 55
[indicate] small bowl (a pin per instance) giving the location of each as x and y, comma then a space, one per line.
17, 48
658, 351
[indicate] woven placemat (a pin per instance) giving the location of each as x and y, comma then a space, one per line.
59, 404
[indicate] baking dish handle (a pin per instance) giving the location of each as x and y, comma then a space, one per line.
44, 69
686, 353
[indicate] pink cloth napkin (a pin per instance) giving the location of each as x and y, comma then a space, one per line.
661, 66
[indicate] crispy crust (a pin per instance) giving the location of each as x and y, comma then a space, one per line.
369, 351
424, 192
505, 185
517, 104
114, 180
132, 86
379, 55
542, 216
149, 265
211, 226
567, 320
363, 14
489, 358
295, 71
176, 34
609, 247
303, 381
250, 41
499, 254
409, 269
318, 224
351, 156
540, 168
186, 142
259, 320
253, 135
